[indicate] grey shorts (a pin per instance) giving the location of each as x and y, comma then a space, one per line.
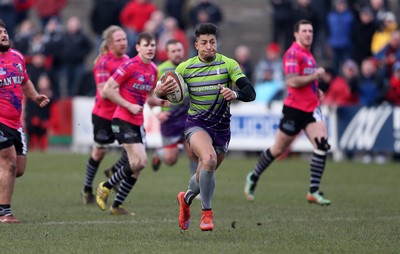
220, 139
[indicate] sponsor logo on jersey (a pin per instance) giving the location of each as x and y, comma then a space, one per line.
2, 138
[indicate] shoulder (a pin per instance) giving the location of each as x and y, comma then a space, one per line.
17, 54
226, 59
184, 65
125, 57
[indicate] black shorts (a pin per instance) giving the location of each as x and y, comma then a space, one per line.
13, 137
294, 120
102, 131
127, 133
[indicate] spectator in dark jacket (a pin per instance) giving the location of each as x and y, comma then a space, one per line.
104, 14
53, 38
363, 30
281, 24
76, 48
205, 11
302, 10
175, 8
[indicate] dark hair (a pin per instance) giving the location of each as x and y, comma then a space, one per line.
2, 24
206, 28
301, 22
148, 37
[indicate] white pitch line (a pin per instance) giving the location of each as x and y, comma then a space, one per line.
102, 222
170, 221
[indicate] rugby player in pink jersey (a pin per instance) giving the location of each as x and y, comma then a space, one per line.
300, 112
112, 54
14, 84
130, 87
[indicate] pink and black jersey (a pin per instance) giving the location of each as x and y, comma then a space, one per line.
299, 61
103, 69
12, 77
136, 79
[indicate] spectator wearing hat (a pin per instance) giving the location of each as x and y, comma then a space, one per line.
271, 59
393, 93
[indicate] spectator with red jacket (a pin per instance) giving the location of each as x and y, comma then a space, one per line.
47, 9
133, 18
343, 90
393, 93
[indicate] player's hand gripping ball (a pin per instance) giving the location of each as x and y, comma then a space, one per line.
177, 95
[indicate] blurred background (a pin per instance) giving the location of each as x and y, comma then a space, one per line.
356, 41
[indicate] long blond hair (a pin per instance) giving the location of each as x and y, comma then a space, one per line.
106, 39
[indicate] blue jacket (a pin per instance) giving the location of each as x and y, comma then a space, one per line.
340, 27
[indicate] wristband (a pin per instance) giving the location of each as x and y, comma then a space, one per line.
236, 94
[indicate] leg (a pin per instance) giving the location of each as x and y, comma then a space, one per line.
137, 160
201, 144
318, 135
8, 171
122, 161
281, 144
194, 161
97, 155
21, 165
167, 154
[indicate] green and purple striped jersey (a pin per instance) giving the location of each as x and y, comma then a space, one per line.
207, 105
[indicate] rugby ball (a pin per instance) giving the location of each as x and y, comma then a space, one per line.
177, 95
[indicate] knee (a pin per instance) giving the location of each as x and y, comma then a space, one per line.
138, 165
322, 145
20, 172
209, 162
277, 151
99, 151
170, 159
12, 170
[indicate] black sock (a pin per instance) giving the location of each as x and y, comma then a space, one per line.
265, 160
122, 161
317, 166
122, 173
124, 189
5, 209
91, 170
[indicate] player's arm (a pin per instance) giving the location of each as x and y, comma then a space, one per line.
111, 92
296, 81
153, 100
100, 89
30, 92
246, 92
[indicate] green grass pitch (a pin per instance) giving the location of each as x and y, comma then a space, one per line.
364, 216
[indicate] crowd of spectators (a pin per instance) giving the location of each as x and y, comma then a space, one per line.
357, 41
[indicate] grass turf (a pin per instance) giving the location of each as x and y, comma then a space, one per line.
364, 216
